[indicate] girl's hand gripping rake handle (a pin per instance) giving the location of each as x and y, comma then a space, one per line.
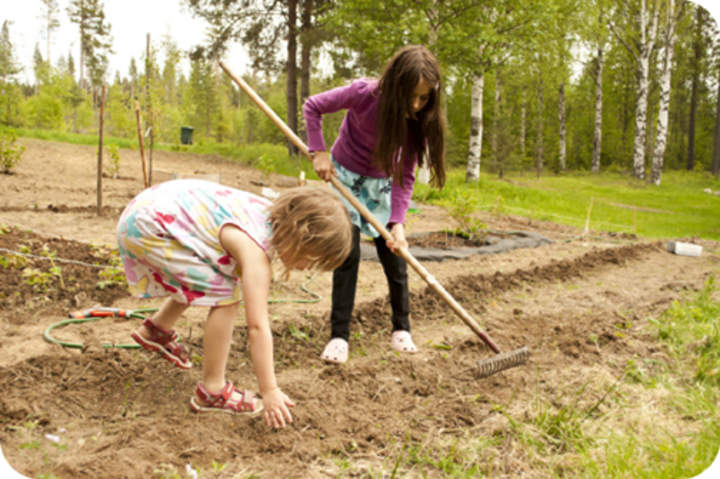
496, 364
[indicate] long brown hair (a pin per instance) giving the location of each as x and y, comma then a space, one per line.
427, 129
311, 224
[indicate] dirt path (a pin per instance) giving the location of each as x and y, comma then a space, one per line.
579, 306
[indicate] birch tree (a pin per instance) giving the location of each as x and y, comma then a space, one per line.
500, 27
668, 40
595, 30
639, 39
51, 23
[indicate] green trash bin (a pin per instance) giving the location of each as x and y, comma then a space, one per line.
186, 133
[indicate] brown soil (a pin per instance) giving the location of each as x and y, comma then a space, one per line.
122, 413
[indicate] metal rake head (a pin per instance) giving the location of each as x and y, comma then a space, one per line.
502, 361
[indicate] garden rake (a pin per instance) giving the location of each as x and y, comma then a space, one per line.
487, 367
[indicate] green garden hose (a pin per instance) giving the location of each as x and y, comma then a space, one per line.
93, 314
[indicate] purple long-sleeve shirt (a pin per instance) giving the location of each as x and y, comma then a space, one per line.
356, 141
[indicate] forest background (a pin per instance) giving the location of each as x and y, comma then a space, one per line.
563, 85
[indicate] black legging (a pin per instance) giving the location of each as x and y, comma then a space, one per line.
345, 282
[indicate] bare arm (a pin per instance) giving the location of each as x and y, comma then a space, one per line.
256, 284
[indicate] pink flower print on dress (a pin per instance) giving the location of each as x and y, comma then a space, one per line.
163, 218
191, 295
165, 286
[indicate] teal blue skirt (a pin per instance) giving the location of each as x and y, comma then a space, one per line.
374, 193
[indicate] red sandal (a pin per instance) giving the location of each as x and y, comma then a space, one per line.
164, 342
205, 401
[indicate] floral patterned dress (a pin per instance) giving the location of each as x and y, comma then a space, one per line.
168, 239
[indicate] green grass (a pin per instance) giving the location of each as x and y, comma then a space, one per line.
664, 426
678, 208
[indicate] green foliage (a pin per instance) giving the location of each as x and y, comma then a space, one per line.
113, 164
42, 281
461, 209
114, 274
10, 153
693, 330
676, 209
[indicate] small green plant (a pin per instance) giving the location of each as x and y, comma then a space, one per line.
218, 466
13, 261
113, 166
113, 274
31, 445
39, 280
54, 268
297, 333
461, 210
10, 153
42, 281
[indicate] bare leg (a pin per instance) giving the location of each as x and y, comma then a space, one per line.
216, 345
216, 348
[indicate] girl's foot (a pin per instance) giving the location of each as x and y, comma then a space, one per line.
402, 341
229, 400
153, 338
336, 351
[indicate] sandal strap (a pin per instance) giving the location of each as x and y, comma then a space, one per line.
223, 399
158, 334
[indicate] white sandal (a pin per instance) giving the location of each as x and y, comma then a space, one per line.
336, 351
402, 341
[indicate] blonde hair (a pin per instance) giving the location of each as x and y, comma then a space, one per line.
311, 224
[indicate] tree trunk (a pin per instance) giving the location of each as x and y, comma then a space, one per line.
597, 135
694, 89
562, 127
641, 120
523, 126
292, 98
306, 44
648, 30
539, 160
81, 70
495, 125
149, 120
476, 128
306, 49
716, 138
664, 102
422, 175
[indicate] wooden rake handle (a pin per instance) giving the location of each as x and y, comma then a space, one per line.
403, 252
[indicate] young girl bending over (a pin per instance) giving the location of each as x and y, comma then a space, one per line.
391, 125
204, 244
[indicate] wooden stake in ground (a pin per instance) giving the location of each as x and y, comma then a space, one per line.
587, 220
149, 121
140, 142
100, 151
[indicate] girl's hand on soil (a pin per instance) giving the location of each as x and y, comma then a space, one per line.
277, 412
323, 165
398, 233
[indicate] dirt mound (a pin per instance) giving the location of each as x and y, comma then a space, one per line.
50, 275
